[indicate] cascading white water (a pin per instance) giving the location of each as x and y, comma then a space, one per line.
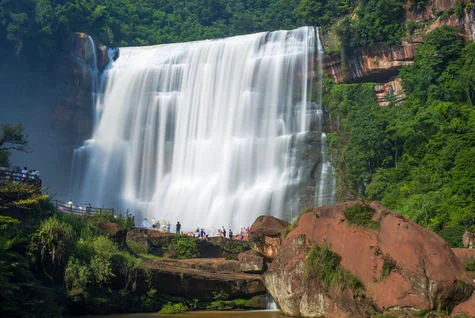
325, 188
91, 59
205, 132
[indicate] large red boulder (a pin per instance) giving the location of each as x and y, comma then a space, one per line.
402, 266
265, 235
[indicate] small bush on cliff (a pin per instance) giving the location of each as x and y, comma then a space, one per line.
20, 195
470, 266
388, 266
360, 214
452, 234
231, 248
51, 245
137, 248
324, 264
170, 308
184, 246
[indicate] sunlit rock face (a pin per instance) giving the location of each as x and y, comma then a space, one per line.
209, 133
403, 267
380, 63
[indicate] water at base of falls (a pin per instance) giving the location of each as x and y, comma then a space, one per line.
207, 133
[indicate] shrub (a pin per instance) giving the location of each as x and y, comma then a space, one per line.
76, 278
388, 266
53, 243
184, 246
360, 214
137, 248
170, 308
324, 265
231, 248
452, 235
470, 266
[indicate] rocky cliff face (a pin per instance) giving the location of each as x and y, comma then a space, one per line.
376, 64
212, 273
200, 278
381, 64
403, 267
73, 113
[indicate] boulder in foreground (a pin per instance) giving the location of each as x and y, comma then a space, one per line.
358, 259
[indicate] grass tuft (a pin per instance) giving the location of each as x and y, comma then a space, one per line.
361, 214
324, 265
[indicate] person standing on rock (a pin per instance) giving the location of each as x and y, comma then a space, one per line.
178, 227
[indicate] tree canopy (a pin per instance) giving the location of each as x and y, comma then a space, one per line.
12, 137
415, 156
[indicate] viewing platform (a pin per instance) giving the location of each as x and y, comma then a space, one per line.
12, 175
83, 209
18, 175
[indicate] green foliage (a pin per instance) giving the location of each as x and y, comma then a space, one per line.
470, 266
98, 265
322, 13
46, 23
11, 138
109, 217
21, 294
170, 308
20, 195
414, 157
359, 145
220, 295
88, 271
137, 248
185, 246
388, 266
234, 304
418, 5
231, 248
376, 21
38, 29
324, 265
452, 235
441, 47
52, 243
360, 214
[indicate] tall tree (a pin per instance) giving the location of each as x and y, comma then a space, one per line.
12, 137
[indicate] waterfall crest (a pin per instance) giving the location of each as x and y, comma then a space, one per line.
205, 132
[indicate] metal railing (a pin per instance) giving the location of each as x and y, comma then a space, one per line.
84, 209
11, 175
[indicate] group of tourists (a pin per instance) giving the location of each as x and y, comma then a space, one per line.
26, 175
242, 236
162, 226
200, 232
84, 208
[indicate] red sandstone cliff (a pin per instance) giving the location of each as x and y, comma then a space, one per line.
404, 267
381, 64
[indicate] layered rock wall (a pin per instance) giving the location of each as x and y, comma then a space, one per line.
381, 64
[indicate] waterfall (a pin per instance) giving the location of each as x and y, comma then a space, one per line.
91, 59
325, 189
208, 133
